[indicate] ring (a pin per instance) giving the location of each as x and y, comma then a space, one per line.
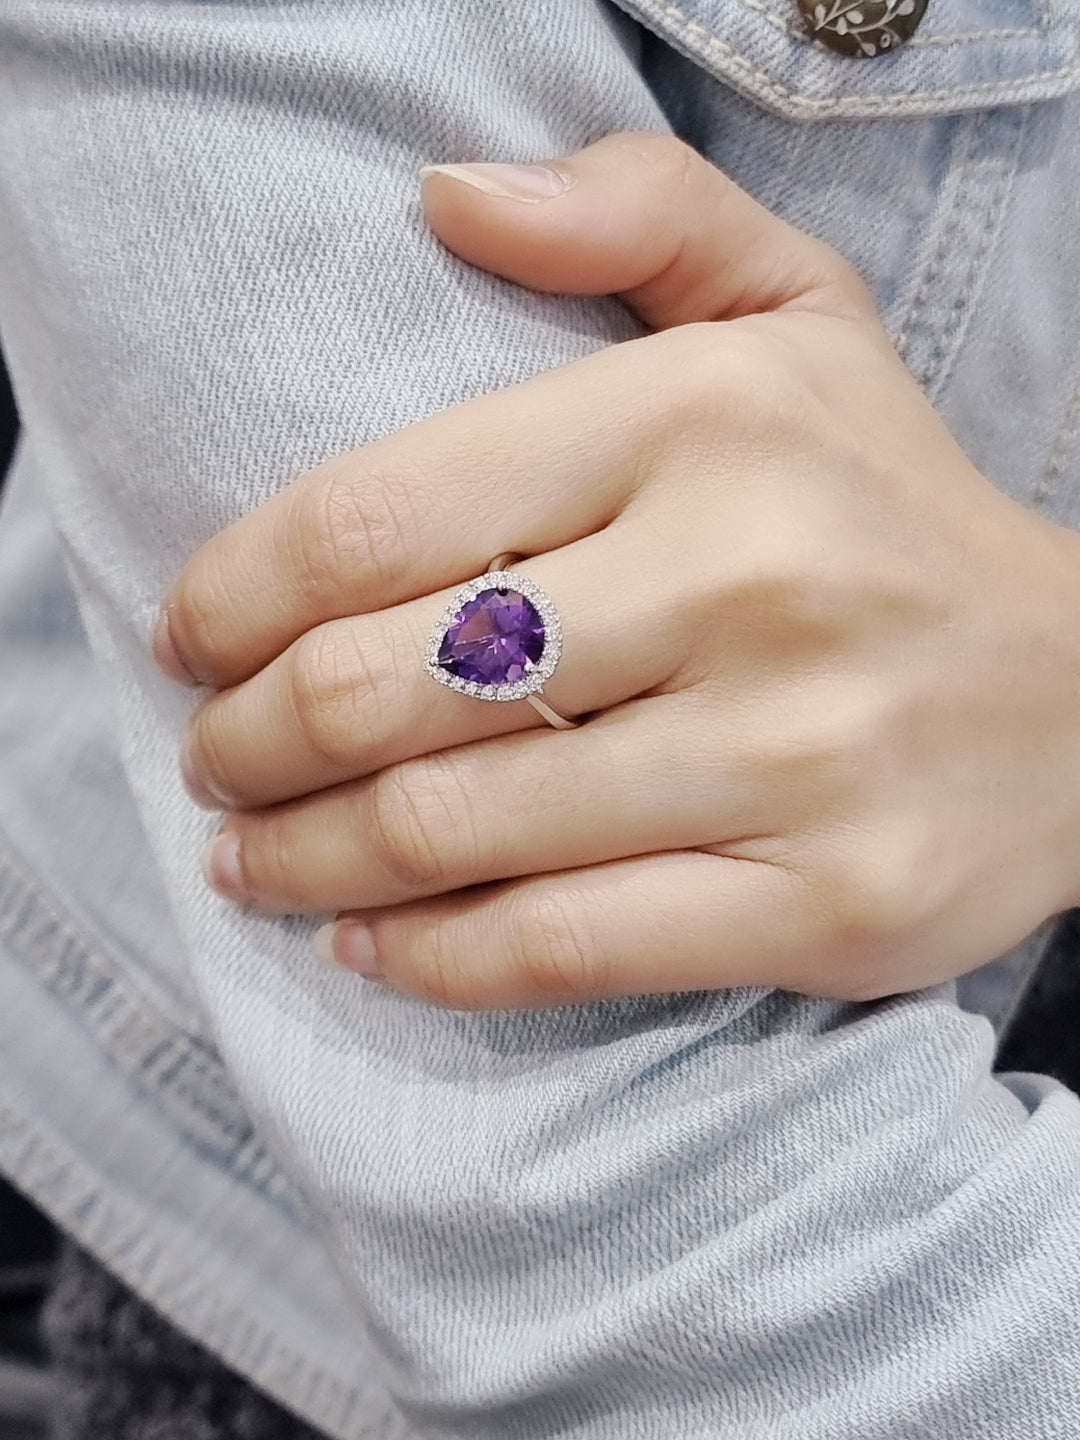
500, 638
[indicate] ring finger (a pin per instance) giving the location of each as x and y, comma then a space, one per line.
353, 696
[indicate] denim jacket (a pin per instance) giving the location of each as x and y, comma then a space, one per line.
735, 1213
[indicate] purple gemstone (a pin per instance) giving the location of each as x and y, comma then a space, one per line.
495, 639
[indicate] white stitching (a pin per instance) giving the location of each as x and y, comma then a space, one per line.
788, 26
1063, 444
785, 25
935, 264
780, 22
971, 37
940, 362
795, 31
187, 1080
859, 104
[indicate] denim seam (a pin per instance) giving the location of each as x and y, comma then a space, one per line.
968, 209
935, 265
120, 1236
951, 335
797, 31
940, 340
974, 37
856, 105
183, 1076
1064, 442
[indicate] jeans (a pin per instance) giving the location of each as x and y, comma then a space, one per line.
737, 1213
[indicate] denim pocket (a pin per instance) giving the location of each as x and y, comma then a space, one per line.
966, 55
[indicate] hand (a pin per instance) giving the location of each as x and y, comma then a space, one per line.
832, 673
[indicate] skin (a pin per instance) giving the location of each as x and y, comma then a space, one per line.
831, 672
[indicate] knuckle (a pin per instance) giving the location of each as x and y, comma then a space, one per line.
197, 609
840, 278
271, 862
413, 830
349, 533
670, 162
337, 692
739, 379
316, 695
208, 748
877, 894
440, 973
550, 948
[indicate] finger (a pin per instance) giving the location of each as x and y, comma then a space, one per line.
642, 216
515, 805
354, 696
592, 934
527, 469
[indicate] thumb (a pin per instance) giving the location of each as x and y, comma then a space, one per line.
644, 217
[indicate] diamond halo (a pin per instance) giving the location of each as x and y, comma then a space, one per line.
538, 674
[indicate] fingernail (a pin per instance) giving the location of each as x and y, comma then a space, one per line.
222, 869
507, 182
200, 790
167, 655
347, 944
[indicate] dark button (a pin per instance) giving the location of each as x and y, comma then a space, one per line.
862, 27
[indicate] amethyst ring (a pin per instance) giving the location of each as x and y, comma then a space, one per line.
500, 638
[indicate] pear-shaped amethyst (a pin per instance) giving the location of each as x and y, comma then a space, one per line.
494, 639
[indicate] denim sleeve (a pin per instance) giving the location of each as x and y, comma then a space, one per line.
743, 1213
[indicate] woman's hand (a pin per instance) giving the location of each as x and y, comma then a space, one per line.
832, 673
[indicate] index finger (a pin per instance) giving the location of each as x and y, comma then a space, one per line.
526, 469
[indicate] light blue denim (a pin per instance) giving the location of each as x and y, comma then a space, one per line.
738, 1214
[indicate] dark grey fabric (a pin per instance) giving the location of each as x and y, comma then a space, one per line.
9, 422
1044, 1034
124, 1373
28, 1245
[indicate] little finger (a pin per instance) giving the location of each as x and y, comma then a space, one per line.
649, 925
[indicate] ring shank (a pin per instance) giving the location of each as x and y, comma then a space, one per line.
553, 717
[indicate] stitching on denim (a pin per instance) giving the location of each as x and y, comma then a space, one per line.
859, 104
1061, 449
973, 37
183, 1076
113, 1230
795, 31
936, 264
945, 350
789, 26
782, 23
1066, 438
714, 42
933, 372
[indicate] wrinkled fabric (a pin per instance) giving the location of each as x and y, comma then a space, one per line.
735, 1213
